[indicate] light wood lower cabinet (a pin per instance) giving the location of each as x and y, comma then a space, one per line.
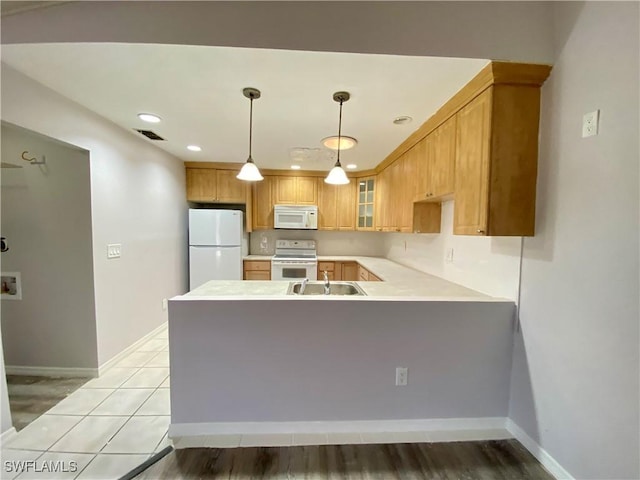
349, 271
345, 271
257, 270
329, 267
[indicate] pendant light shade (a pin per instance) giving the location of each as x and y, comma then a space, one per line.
249, 171
337, 175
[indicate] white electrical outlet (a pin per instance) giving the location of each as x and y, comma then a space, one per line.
165, 303
449, 257
402, 376
114, 250
590, 123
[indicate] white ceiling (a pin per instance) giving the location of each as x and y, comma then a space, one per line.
198, 93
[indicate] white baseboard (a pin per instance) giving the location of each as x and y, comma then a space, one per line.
50, 371
550, 463
206, 434
130, 349
8, 435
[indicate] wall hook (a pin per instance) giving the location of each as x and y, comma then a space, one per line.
33, 161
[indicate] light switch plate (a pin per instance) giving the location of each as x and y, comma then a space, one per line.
114, 250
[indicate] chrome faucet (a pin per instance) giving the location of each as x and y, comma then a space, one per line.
303, 286
327, 285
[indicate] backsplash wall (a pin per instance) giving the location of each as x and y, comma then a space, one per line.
328, 242
487, 264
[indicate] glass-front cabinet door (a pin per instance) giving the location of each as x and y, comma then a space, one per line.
366, 196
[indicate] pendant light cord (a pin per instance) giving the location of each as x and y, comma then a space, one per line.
339, 134
250, 126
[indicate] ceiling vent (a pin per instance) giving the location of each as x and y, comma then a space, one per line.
150, 134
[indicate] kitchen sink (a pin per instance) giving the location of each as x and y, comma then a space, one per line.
317, 288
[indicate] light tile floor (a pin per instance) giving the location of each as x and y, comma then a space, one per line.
104, 429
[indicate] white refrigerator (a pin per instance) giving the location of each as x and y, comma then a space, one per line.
215, 246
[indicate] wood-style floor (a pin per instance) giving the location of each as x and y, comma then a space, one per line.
495, 460
30, 396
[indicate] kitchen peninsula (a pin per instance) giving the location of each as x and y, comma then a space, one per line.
251, 365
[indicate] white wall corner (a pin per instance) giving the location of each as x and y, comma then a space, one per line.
547, 461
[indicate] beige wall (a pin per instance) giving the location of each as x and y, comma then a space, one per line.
576, 366
46, 218
138, 199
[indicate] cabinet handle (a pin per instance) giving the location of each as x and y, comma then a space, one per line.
397, 229
480, 231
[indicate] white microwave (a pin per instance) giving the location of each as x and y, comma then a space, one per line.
295, 217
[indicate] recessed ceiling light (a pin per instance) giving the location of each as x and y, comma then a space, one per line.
295, 167
194, 148
404, 119
351, 166
149, 117
345, 142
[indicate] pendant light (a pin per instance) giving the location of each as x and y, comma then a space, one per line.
249, 171
337, 176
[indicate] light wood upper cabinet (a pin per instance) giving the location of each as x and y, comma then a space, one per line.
436, 163
306, 191
327, 206
263, 203
496, 162
346, 205
285, 191
230, 189
201, 185
406, 189
209, 185
442, 160
366, 203
336, 206
382, 205
290, 190
472, 166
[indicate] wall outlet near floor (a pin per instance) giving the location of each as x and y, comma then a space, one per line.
449, 256
114, 250
165, 303
590, 124
402, 376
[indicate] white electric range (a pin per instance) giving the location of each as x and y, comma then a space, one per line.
295, 260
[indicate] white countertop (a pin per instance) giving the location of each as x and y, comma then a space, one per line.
257, 257
398, 282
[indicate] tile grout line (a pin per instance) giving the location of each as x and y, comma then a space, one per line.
135, 411
41, 452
